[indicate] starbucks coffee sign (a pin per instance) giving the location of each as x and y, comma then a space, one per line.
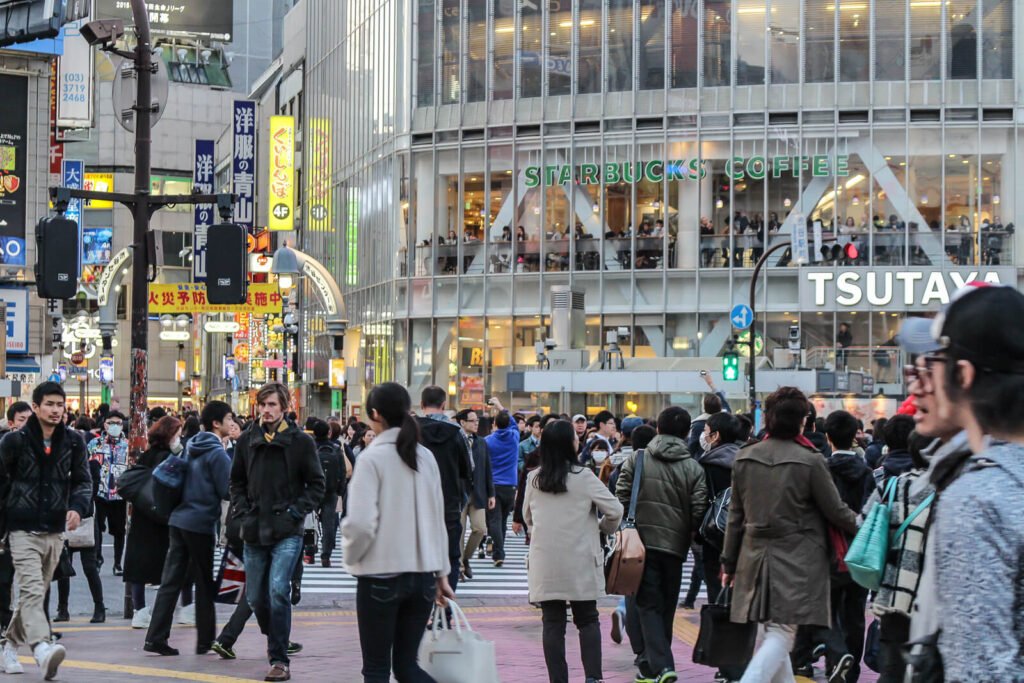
891, 288
736, 169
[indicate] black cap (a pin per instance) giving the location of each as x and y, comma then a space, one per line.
982, 325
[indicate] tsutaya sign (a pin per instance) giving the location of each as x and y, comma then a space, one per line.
891, 288
737, 168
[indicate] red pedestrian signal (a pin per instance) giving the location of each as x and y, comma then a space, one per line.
851, 252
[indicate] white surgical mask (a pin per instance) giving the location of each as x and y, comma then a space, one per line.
114, 430
704, 445
176, 444
599, 456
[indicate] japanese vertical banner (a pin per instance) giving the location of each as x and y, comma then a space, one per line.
202, 182
281, 199
74, 179
243, 162
318, 176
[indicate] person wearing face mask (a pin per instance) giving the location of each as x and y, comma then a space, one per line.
108, 460
148, 537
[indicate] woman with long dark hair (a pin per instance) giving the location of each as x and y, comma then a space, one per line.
395, 540
566, 563
148, 537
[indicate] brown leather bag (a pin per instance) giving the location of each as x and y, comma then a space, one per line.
624, 563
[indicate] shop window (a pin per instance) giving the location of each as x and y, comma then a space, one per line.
620, 45
476, 51
530, 50
820, 42
588, 63
925, 38
784, 32
425, 53
651, 39
717, 42
997, 38
890, 40
560, 30
503, 77
451, 83
854, 40
750, 42
684, 43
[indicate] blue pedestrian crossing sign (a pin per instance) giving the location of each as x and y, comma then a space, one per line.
742, 317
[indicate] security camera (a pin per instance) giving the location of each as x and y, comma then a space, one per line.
103, 32
623, 332
549, 344
794, 338
538, 347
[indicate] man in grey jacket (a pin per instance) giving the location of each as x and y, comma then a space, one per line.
670, 505
192, 533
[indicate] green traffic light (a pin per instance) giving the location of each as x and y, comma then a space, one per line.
730, 367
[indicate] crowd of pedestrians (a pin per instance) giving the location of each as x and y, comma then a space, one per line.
769, 517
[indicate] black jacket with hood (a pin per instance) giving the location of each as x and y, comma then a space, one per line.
852, 477
37, 489
445, 440
276, 480
717, 464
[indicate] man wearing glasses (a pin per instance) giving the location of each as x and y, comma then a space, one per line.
481, 493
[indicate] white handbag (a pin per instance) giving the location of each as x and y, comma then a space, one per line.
457, 653
82, 537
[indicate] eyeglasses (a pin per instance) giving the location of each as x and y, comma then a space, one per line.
922, 374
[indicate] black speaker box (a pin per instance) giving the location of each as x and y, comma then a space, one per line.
57, 258
227, 261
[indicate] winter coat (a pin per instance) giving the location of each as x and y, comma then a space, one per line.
37, 489
776, 544
717, 464
206, 485
396, 519
148, 539
110, 459
503, 446
330, 457
276, 480
672, 497
896, 463
852, 478
697, 427
483, 480
565, 560
446, 442
978, 546
820, 442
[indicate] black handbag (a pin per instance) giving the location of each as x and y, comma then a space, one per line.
64, 568
136, 486
722, 643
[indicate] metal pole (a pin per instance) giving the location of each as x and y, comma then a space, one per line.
181, 388
140, 235
751, 369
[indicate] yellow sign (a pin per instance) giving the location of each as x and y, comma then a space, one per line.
100, 182
337, 373
180, 373
282, 173
190, 297
242, 353
320, 208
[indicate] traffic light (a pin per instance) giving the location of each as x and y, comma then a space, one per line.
731, 366
57, 258
227, 260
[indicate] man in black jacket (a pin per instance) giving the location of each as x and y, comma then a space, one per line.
481, 494
444, 439
46, 488
330, 456
276, 480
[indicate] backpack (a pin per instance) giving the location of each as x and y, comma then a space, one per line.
330, 462
716, 519
169, 483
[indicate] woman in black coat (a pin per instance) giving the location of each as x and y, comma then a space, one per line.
148, 537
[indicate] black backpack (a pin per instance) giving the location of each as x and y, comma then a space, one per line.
330, 461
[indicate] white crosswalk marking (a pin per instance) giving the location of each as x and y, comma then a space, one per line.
509, 580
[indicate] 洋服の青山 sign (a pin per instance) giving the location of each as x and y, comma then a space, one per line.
736, 168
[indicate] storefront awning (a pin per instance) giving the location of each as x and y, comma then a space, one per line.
22, 364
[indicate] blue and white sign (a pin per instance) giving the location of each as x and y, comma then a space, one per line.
741, 316
74, 81
202, 182
74, 179
243, 162
16, 301
12, 251
801, 246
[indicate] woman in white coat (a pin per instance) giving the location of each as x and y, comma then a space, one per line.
394, 539
561, 508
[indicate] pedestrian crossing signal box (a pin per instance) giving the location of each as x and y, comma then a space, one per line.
731, 366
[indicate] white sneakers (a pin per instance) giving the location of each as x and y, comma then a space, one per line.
141, 618
49, 657
187, 615
11, 663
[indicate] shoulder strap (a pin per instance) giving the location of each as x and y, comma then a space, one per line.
913, 515
638, 473
890, 491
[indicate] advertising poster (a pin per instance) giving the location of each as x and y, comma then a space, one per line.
13, 152
282, 173
97, 246
209, 17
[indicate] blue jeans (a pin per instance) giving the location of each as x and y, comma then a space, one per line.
268, 588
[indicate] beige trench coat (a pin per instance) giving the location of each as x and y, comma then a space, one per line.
566, 561
776, 543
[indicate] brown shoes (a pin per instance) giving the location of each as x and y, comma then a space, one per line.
278, 672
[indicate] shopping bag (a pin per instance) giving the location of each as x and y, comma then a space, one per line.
866, 558
84, 536
722, 643
456, 653
230, 578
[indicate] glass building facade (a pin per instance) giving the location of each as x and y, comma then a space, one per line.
648, 153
